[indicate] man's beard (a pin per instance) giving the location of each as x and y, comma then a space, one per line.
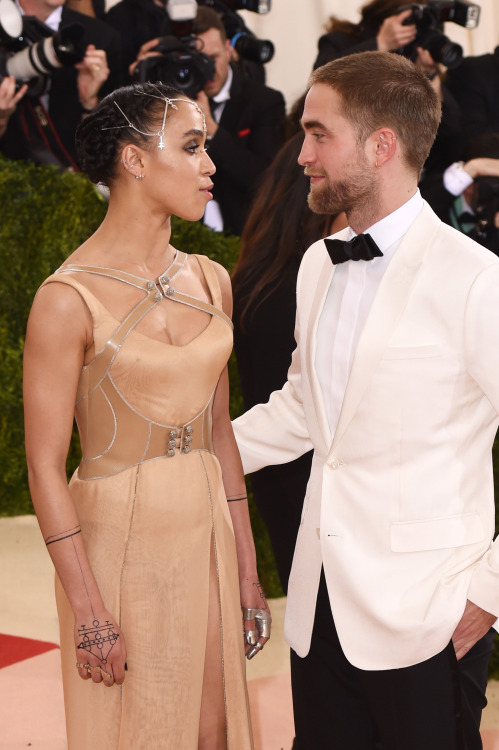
358, 193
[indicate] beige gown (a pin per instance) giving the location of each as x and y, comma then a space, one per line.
155, 522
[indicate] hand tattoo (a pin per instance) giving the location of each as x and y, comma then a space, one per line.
98, 639
262, 595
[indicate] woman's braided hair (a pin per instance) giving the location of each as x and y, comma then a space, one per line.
101, 135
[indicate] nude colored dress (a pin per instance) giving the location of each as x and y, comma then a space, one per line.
154, 517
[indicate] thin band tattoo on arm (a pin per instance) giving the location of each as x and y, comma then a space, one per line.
97, 639
235, 498
62, 535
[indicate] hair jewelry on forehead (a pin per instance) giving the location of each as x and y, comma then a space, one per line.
161, 132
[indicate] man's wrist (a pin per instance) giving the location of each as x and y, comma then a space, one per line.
88, 105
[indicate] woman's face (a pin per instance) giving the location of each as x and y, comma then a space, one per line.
178, 177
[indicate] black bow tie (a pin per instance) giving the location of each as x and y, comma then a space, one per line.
361, 247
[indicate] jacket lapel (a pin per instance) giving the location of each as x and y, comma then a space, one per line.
386, 311
321, 283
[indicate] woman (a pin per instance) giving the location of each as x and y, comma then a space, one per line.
279, 229
152, 563
382, 27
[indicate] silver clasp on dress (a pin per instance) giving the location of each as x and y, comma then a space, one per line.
180, 438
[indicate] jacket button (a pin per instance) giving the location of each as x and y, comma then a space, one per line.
334, 464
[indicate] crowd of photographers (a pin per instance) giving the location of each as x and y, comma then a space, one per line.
56, 62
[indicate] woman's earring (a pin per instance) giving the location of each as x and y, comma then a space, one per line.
139, 176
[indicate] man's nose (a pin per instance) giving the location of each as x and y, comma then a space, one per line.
305, 156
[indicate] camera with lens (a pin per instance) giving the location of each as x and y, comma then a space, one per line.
486, 207
246, 44
429, 20
30, 51
181, 63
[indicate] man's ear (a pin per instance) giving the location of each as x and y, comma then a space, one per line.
385, 143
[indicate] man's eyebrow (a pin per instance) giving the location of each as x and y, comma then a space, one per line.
310, 124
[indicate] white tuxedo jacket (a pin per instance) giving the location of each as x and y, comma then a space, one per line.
399, 507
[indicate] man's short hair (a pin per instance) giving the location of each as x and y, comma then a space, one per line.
206, 19
383, 89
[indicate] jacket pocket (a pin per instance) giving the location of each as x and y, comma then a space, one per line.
436, 533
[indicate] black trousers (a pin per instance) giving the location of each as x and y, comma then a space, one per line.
435, 705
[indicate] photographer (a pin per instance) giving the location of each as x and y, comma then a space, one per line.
475, 85
466, 195
137, 22
383, 26
42, 127
244, 122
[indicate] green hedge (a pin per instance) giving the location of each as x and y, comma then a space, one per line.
44, 215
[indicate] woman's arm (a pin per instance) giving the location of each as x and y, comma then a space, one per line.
59, 333
226, 450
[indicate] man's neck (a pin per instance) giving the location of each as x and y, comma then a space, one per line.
36, 8
364, 216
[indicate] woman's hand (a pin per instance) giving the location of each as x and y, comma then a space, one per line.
100, 648
393, 34
257, 619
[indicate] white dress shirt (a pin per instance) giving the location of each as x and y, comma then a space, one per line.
349, 299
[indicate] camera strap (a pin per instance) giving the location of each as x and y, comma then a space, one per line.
43, 140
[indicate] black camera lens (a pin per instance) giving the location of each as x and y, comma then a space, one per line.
442, 49
249, 47
182, 77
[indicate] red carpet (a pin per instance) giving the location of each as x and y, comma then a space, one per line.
14, 649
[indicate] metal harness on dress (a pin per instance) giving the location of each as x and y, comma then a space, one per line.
136, 438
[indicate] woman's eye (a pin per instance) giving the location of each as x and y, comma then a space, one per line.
192, 147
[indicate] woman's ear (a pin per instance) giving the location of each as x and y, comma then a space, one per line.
132, 161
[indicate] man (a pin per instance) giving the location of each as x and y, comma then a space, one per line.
244, 119
42, 128
138, 21
394, 384
475, 84
244, 124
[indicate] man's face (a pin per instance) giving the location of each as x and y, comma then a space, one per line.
40, 8
341, 177
220, 52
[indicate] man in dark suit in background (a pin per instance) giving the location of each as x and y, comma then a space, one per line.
243, 120
42, 128
475, 85
138, 21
